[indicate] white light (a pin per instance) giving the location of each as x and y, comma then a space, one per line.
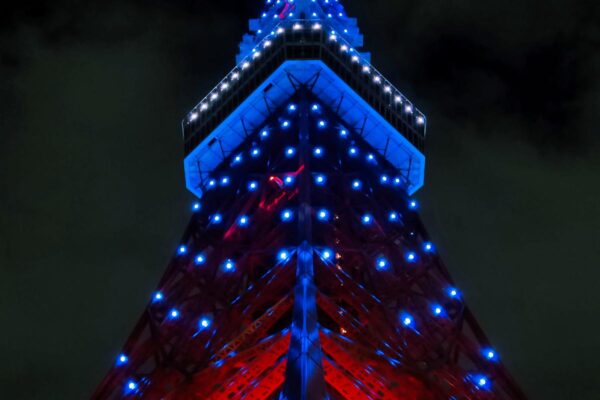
316, 27
267, 44
387, 89
366, 69
344, 48
355, 59
297, 27
245, 65
333, 37
256, 55
235, 76
224, 87
280, 30
408, 108
193, 116
203, 106
377, 80
398, 99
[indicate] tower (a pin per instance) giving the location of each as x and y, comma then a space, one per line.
305, 271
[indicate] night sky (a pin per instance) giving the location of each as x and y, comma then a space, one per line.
93, 202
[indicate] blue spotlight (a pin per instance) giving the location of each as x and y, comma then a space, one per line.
356, 184
320, 180
158, 296
173, 313
315, 108
318, 152
288, 180
229, 265
411, 257
323, 215
283, 255
322, 124
243, 221
287, 215
200, 259
292, 107
252, 186
327, 254
343, 133
481, 381
255, 152
407, 319
352, 151
285, 124
367, 219
428, 247
196, 207
489, 354
131, 386
384, 179
182, 250
204, 323
212, 183
437, 310
371, 158
453, 292
381, 264
237, 159
264, 134
290, 151
122, 359
393, 216
225, 181
413, 205
216, 219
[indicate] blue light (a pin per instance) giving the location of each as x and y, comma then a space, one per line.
292, 107
353, 151
381, 264
407, 319
122, 359
200, 259
173, 314
323, 215
343, 133
290, 151
264, 134
411, 257
453, 292
393, 216
384, 179
318, 152
229, 265
285, 124
326, 254
287, 215
489, 354
196, 207
216, 219
428, 247
356, 184
131, 386
224, 181
413, 205
158, 296
397, 181
204, 323
283, 255
182, 250
255, 152
237, 159
437, 310
481, 381
212, 183
252, 186
320, 180
243, 221
288, 180
371, 158
367, 219
322, 123
315, 107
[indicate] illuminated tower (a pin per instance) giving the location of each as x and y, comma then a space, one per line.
305, 271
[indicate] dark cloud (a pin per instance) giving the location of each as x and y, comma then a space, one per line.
93, 198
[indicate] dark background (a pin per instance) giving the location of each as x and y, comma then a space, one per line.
92, 197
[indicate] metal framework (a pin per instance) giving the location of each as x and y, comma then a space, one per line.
305, 271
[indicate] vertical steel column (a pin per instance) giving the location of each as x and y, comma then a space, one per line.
305, 378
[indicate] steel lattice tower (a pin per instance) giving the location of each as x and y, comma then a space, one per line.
305, 271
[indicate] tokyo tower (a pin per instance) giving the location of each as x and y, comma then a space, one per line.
305, 271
